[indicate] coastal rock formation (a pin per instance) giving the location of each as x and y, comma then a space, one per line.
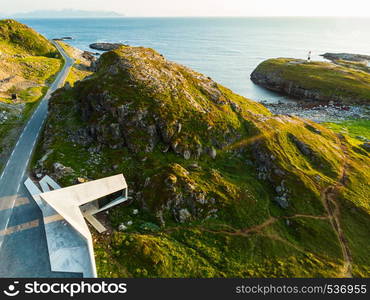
314, 81
105, 46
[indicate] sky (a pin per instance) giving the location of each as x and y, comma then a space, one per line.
360, 8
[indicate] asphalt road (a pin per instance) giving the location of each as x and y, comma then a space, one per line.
23, 248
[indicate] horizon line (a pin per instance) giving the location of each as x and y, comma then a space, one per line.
179, 16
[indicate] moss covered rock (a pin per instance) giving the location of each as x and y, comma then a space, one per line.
229, 189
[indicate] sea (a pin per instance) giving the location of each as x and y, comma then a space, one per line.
226, 49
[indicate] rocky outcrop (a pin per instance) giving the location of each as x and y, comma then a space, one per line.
89, 56
347, 56
64, 38
157, 104
366, 146
268, 170
105, 46
274, 82
180, 195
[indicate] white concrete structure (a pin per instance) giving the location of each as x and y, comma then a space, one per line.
69, 206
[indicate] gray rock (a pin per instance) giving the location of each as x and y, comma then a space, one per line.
201, 198
194, 167
279, 189
187, 154
282, 201
213, 153
366, 146
347, 57
61, 170
122, 227
303, 147
179, 127
248, 162
361, 138
235, 106
67, 85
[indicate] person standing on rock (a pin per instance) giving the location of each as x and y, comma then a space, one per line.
309, 56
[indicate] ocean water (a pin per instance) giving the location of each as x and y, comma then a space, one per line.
227, 49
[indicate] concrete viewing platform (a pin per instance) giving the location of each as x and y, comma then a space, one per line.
64, 212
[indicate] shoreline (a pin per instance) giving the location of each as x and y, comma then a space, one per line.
320, 113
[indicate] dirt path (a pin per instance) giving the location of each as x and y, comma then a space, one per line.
258, 228
307, 216
329, 196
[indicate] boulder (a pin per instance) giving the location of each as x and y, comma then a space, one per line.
213, 153
282, 201
61, 170
366, 146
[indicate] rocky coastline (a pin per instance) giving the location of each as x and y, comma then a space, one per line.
319, 113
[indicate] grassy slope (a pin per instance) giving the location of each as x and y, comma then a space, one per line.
27, 54
241, 232
330, 80
356, 129
31, 58
26, 39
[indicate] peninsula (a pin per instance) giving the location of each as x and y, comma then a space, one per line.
343, 82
